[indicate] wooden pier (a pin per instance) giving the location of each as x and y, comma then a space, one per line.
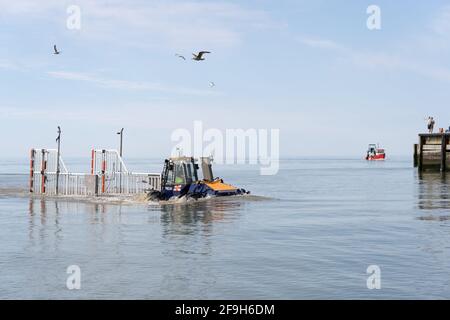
432, 153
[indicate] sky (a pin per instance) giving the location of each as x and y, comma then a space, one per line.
311, 69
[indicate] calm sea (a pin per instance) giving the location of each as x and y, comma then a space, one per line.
312, 234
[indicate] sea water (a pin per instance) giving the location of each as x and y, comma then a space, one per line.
309, 232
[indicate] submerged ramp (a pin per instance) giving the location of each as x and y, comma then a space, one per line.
109, 175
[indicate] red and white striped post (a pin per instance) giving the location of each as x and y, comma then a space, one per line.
92, 161
32, 155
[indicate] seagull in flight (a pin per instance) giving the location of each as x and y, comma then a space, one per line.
180, 56
56, 50
199, 56
212, 84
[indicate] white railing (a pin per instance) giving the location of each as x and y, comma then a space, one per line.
46, 159
129, 183
69, 184
109, 175
84, 184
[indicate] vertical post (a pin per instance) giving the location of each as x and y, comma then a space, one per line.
43, 168
92, 161
420, 164
96, 185
58, 139
120, 162
121, 141
443, 152
103, 171
32, 155
415, 159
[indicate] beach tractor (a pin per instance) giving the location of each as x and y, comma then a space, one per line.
179, 178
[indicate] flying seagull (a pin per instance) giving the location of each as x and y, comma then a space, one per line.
56, 50
199, 56
212, 84
180, 56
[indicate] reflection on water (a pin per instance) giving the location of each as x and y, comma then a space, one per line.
433, 191
44, 222
197, 217
54, 206
42, 230
187, 228
172, 244
182, 218
330, 221
205, 212
189, 240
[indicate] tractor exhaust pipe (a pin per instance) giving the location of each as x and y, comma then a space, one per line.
207, 169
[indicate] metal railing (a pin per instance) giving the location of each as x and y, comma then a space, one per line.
109, 175
84, 184
131, 183
76, 184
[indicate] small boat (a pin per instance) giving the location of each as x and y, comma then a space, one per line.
374, 153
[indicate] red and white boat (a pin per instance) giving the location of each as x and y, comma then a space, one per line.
375, 153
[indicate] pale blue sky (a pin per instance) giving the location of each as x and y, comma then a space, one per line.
310, 68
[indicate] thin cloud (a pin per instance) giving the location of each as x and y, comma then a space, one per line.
177, 23
9, 65
441, 23
371, 59
319, 43
125, 84
26, 7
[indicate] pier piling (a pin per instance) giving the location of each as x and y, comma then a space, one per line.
416, 155
432, 153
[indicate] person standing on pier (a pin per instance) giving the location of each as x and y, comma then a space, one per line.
430, 124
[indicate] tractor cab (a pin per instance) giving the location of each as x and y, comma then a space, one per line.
178, 174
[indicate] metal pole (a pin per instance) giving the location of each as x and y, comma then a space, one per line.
120, 162
121, 141
443, 153
58, 139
